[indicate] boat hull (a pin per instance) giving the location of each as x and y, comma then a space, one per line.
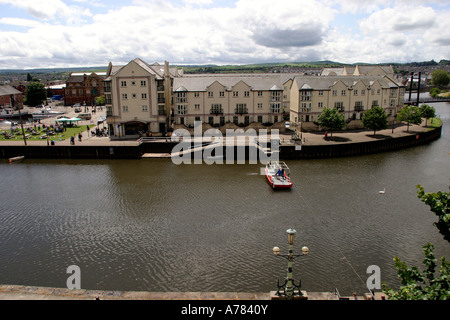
277, 182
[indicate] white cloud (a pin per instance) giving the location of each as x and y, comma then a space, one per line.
196, 32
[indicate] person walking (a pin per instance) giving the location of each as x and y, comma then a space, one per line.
72, 140
79, 137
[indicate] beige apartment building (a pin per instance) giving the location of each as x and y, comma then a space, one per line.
155, 98
351, 95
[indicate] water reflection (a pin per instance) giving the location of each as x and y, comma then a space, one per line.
152, 225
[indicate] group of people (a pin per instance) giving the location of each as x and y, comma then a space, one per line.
72, 139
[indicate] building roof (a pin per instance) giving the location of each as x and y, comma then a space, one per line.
358, 71
326, 82
8, 90
256, 81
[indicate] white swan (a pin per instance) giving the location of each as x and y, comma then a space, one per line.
382, 191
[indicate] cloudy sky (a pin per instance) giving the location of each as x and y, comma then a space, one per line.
69, 33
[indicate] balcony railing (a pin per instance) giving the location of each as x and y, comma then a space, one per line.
161, 112
359, 108
216, 111
161, 100
241, 110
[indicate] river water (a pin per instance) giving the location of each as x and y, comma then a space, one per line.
155, 226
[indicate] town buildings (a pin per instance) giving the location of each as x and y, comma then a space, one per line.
10, 98
83, 88
143, 98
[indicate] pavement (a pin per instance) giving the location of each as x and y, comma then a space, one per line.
308, 138
18, 292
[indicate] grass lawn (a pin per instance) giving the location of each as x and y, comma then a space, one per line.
434, 122
58, 136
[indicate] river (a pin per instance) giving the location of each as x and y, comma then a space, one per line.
151, 225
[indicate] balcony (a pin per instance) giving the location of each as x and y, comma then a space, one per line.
241, 111
359, 108
216, 111
161, 100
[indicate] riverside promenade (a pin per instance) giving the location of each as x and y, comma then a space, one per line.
15, 292
400, 130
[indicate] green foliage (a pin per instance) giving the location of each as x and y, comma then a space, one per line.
331, 119
424, 285
440, 78
439, 204
375, 119
99, 101
427, 112
36, 93
410, 114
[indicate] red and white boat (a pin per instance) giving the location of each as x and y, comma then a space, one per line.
277, 174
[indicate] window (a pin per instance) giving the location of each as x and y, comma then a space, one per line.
359, 106
124, 96
235, 94
196, 94
363, 92
144, 109
306, 95
334, 92
343, 92
320, 93
124, 108
143, 83
275, 108
221, 94
181, 97
339, 106
260, 93
123, 83
216, 108
275, 96
260, 105
181, 109
355, 92
306, 107
143, 96
246, 93
320, 105
210, 94
374, 103
197, 107
241, 108
260, 119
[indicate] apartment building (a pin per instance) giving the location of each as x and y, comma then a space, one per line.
240, 99
155, 98
138, 97
351, 95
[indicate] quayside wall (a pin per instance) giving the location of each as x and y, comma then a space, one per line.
286, 152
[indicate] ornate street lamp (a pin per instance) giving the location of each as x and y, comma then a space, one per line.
289, 288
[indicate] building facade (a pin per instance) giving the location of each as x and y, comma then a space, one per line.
10, 98
83, 88
351, 95
142, 98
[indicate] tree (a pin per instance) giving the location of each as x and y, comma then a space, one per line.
331, 119
421, 286
440, 78
426, 285
100, 100
439, 204
375, 119
427, 112
410, 114
36, 93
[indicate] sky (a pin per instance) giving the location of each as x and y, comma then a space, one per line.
83, 33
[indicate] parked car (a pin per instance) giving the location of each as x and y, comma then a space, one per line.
77, 109
85, 116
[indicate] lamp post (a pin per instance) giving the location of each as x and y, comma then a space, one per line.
289, 288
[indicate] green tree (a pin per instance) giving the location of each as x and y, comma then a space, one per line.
375, 119
439, 204
410, 114
424, 285
36, 93
440, 78
427, 112
99, 101
331, 119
